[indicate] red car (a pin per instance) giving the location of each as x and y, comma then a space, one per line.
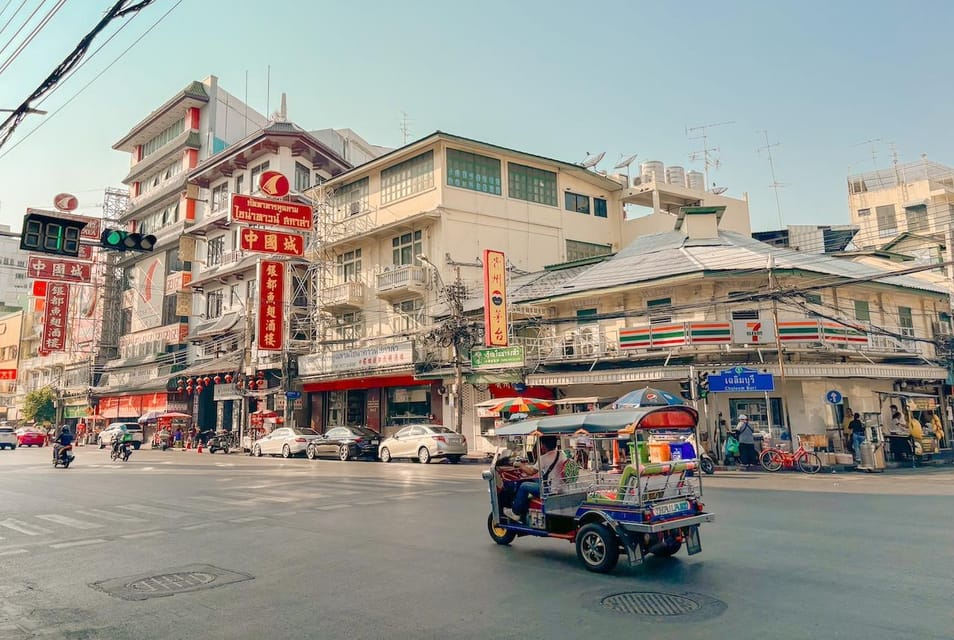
31, 438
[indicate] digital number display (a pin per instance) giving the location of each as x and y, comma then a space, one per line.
43, 234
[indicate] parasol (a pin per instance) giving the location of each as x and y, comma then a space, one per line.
522, 405
175, 414
647, 397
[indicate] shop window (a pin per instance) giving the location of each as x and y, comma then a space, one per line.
660, 310
408, 404
755, 409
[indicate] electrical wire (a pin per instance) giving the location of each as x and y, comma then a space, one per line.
14, 15
22, 27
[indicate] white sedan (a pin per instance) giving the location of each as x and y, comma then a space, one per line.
288, 441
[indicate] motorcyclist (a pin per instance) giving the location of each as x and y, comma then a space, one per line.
64, 440
121, 437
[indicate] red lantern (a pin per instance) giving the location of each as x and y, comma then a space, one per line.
217, 379
179, 389
251, 384
228, 377
207, 380
189, 389
261, 374
191, 380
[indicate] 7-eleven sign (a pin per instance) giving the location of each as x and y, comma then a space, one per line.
753, 332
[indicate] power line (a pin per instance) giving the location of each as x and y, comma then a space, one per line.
14, 15
22, 27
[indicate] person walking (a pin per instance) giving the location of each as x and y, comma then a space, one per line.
746, 437
857, 428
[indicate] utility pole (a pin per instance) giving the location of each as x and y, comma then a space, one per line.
787, 421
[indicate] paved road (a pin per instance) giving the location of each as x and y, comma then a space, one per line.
365, 550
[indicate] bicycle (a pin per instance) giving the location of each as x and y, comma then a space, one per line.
807, 461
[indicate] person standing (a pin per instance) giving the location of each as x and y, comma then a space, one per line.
746, 438
857, 428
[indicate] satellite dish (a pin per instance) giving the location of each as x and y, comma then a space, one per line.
718, 191
624, 164
592, 160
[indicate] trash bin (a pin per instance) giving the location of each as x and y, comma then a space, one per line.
872, 456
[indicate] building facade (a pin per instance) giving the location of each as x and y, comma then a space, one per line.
14, 285
11, 324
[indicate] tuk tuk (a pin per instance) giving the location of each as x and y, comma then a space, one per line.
624, 480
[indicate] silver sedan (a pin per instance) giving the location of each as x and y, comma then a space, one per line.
287, 441
424, 442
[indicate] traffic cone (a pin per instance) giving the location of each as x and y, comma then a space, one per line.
199, 447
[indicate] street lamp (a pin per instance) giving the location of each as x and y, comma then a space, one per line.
455, 326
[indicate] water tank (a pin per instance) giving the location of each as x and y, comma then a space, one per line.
696, 181
676, 175
652, 170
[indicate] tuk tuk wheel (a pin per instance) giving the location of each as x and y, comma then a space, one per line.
671, 548
499, 534
597, 547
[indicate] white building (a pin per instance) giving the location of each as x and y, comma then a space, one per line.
14, 285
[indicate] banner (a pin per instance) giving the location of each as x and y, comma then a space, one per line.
271, 299
56, 316
495, 298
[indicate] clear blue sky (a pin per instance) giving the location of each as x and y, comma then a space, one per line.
557, 78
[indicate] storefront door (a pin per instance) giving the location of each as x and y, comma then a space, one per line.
357, 400
755, 409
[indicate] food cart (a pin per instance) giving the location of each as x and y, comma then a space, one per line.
898, 439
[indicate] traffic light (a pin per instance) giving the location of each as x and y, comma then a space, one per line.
702, 385
120, 240
685, 388
52, 235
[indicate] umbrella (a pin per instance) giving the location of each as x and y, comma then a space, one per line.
647, 397
522, 405
151, 416
174, 414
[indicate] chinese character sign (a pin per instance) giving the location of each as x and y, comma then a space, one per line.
495, 298
271, 299
56, 317
261, 241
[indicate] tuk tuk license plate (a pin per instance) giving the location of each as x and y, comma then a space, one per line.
670, 508
693, 544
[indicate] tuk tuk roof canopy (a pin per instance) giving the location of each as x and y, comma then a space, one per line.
605, 422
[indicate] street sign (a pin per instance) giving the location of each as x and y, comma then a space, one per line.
741, 379
273, 183
8, 374
270, 213
293, 395
59, 270
833, 397
65, 202
261, 241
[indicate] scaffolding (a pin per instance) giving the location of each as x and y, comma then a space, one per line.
108, 274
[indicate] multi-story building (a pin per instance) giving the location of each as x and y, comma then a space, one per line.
224, 277
10, 327
398, 230
14, 285
196, 123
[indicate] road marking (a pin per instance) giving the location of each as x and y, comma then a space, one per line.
144, 534
333, 506
76, 543
109, 515
148, 469
152, 511
23, 527
285, 514
201, 525
368, 503
248, 519
14, 552
69, 522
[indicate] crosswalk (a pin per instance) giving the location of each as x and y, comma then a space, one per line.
239, 504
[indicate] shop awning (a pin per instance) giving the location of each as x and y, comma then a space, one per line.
368, 382
132, 406
156, 384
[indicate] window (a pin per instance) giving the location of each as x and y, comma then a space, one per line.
215, 251
302, 177
351, 199
660, 310
472, 171
532, 185
599, 208
213, 304
864, 213
576, 202
159, 178
234, 295
408, 313
406, 248
125, 322
813, 298
173, 263
887, 221
349, 327
160, 139
349, 266
129, 278
905, 321
256, 172
407, 178
584, 316
240, 183
220, 197
916, 218
745, 314
862, 311
578, 250
169, 309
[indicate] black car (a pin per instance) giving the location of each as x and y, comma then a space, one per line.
345, 443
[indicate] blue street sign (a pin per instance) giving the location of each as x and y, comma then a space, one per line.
293, 395
833, 397
741, 379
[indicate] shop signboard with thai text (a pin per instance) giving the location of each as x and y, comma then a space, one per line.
497, 358
741, 379
261, 241
271, 213
271, 300
385, 355
495, 298
56, 317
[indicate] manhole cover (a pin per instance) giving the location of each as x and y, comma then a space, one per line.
650, 603
168, 583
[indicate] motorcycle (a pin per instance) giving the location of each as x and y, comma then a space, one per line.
221, 442
63, 455
122, 451
706, 464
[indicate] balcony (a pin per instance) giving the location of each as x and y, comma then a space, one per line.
400, 280
341, 297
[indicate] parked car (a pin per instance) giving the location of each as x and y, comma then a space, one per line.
288, 441
135, 430
424, 442
345, 443
30, 437
8, 438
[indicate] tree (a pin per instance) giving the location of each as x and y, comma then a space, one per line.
39, 405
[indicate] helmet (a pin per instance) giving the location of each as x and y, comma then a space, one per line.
742, 416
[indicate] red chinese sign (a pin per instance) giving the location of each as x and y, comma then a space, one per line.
495, 298
59, 270
8, 374
271, 298
56, 318
271, 213
259, 241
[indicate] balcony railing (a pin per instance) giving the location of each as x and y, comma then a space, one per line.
343, 296
401, 279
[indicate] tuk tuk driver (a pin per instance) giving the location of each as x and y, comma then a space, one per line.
548, 467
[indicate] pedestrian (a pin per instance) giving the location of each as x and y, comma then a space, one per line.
857, 436
897, 420
746, 438
178, 438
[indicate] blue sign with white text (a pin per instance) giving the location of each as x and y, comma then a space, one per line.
293, 395
741, 379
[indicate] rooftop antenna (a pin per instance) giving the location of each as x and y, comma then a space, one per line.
624, 164
592, 159
405, 126
707, 153
776, 185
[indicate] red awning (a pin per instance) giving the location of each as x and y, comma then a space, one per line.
369, 382
132, 406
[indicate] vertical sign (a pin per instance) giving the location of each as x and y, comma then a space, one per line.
495, 298
271, 297
56, 316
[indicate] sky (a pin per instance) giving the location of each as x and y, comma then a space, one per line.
557, 78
